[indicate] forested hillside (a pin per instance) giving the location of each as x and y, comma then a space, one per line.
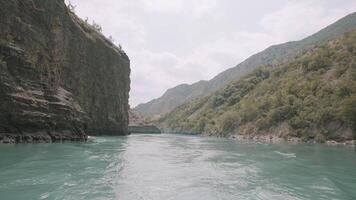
311, 97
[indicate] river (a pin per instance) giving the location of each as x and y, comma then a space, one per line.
176, 167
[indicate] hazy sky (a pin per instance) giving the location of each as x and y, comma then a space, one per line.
171, 42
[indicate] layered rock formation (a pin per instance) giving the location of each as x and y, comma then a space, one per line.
60, 79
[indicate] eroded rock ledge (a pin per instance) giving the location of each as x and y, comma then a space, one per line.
30, 110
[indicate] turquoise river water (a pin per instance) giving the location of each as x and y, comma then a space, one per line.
175, 167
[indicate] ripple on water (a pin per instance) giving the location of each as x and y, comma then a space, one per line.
44, 195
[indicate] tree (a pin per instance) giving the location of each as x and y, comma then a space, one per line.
71, 7
111, 39
228, 121
349, 111
96, 26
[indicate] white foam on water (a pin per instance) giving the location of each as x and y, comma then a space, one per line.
44, 195
69, 184
287, 155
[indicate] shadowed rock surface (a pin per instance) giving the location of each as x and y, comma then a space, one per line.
60, 79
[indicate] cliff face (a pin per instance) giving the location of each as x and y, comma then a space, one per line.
60, 79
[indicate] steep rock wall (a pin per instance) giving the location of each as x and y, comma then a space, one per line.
60, 79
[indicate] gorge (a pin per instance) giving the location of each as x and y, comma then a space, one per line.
279, 125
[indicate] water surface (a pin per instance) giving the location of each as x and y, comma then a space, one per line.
173, 167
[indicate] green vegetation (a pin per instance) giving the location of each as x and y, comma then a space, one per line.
348, 111
315, 94
95, 26
92, 28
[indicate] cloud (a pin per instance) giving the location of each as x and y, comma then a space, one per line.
195, 7
163, 5
298, 19
170, 42
160, 71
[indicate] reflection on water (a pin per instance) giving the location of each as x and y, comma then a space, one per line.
177, 168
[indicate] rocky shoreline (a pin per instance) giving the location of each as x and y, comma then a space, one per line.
42, 137
150, 129
292, 140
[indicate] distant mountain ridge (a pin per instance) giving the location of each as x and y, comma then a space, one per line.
273, 55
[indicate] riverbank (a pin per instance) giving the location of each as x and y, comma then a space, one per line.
149, 129
292, 140
43, 137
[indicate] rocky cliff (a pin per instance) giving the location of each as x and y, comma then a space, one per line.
60, 78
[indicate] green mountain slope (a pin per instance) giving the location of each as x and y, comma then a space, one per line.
312, 97
271, 56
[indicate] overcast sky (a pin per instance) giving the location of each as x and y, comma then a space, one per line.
171, 42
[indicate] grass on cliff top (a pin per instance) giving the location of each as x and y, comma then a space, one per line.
93, 28
310, 93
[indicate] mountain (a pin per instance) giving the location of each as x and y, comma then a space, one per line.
271, 56
60, 78
312, 97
